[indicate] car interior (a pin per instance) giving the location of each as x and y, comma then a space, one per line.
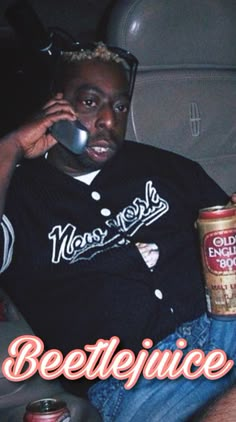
184, 101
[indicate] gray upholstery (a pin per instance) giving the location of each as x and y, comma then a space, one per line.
185, 94
15, 396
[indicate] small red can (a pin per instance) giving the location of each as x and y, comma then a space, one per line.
217, 230
50, 410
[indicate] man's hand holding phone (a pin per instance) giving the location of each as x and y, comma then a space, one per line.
34, 138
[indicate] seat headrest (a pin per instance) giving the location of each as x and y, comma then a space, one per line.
176, 33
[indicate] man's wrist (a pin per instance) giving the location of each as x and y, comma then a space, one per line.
10, 149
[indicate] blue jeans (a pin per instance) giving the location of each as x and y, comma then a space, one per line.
170, 400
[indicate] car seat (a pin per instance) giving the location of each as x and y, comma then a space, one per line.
185, 94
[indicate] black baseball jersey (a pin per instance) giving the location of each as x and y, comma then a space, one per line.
76, 274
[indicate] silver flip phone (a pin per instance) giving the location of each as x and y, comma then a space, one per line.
72, 135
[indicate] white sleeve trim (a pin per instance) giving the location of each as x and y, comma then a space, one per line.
8, 241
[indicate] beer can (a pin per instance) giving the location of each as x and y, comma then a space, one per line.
50, 410
217, 231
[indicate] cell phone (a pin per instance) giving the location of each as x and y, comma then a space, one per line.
71, 134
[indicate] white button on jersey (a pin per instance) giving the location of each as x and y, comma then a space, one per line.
105, 212
158, 294
172, 310
96, 196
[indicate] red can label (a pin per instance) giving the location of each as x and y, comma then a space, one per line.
220, 251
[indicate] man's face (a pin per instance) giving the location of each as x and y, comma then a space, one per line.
98, 92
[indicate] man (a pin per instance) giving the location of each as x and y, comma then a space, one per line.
105, 243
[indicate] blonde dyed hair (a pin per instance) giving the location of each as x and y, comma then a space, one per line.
101, 51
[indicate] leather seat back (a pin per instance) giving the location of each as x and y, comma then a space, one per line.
185, 94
